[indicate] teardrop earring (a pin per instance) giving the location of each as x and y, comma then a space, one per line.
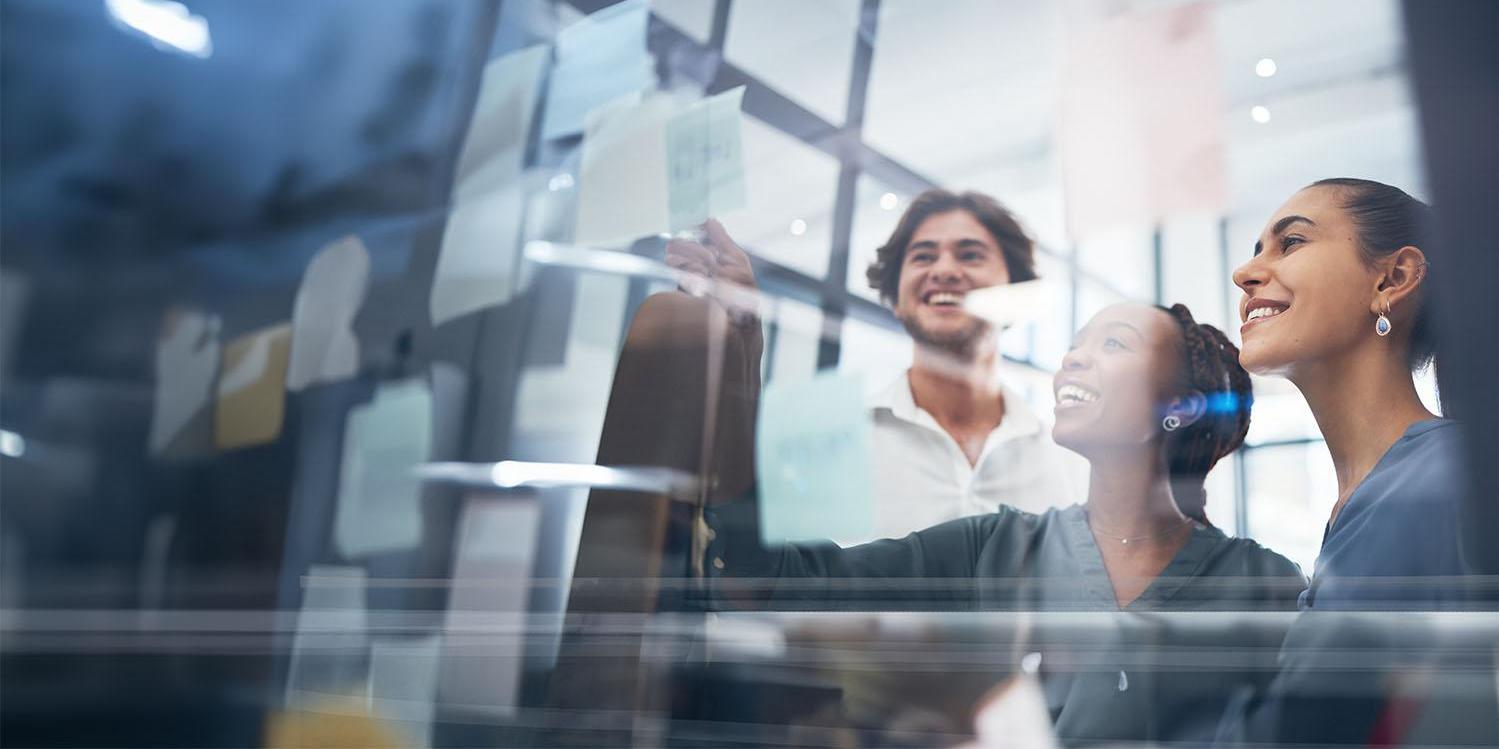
1382, 325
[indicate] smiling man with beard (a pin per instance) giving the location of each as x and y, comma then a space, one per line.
949, 439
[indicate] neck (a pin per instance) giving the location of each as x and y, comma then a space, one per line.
1363, 403
956, 389
1129, 493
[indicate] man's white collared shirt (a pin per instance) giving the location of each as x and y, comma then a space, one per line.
922, 478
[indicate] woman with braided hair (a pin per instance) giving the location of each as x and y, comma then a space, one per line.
1153, 399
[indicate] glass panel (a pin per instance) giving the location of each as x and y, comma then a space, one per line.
1054, 329
1122, 258
1092, 297
1280, 413
791, 190
694, 17
877, 209
878, 352
1190, 253
982, 96
803, 48
797, 336
1292, 489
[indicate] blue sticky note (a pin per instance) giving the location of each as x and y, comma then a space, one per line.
812, 460
599, 59
379, 495
705, 160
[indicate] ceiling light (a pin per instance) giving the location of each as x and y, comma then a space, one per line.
889, 201
1265, 67
1260, 114
798, 227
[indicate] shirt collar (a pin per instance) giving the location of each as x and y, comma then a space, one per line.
897, 399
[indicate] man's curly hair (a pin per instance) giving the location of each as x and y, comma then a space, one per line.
1017, 248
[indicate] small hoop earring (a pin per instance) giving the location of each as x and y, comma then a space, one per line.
1171, 423
1382, 324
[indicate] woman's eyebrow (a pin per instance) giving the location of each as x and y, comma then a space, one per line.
1281, 226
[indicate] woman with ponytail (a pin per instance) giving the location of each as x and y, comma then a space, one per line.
1334, 301
1153, 399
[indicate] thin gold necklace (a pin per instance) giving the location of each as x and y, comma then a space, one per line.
1129, 539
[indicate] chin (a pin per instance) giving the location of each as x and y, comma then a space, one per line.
1070, 438
1260, 359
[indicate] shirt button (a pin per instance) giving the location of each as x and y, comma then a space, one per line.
717, 563
711, 534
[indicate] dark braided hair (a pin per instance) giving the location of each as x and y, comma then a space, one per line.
1209, 365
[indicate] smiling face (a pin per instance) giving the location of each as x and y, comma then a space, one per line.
1307, 290
949, 255
1115, 381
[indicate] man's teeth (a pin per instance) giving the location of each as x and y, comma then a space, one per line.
1068, 393
944, 297
1259, 312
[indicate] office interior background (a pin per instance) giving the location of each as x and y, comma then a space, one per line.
178, 166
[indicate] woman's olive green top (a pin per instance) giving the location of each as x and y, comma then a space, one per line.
1114, 687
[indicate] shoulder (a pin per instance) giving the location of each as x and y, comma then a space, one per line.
1259, 561
1420, 477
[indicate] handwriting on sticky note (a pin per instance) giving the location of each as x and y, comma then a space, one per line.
705, 160
812, 460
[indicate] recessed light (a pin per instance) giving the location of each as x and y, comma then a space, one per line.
1260, 114
1265, 67
889, 201
798, 227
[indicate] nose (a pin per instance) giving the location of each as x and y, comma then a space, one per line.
1076, 359
946, 266
1251, 274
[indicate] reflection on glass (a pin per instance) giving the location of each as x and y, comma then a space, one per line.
803, 49
1291, 492
788, 182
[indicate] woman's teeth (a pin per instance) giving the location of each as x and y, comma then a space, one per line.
1075, 394
945, 298
1259, 312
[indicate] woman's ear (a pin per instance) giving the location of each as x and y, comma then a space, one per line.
1401, 274
1188, 407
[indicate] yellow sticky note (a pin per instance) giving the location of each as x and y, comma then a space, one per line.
252, 388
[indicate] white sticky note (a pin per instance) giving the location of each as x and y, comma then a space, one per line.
1012, 304
622, 175
252, 388
483, 650
599, 59
187, 358
403, 684
328, 650
323, 345
379, 495
480, 245
705, 160
654, 165
812, 460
